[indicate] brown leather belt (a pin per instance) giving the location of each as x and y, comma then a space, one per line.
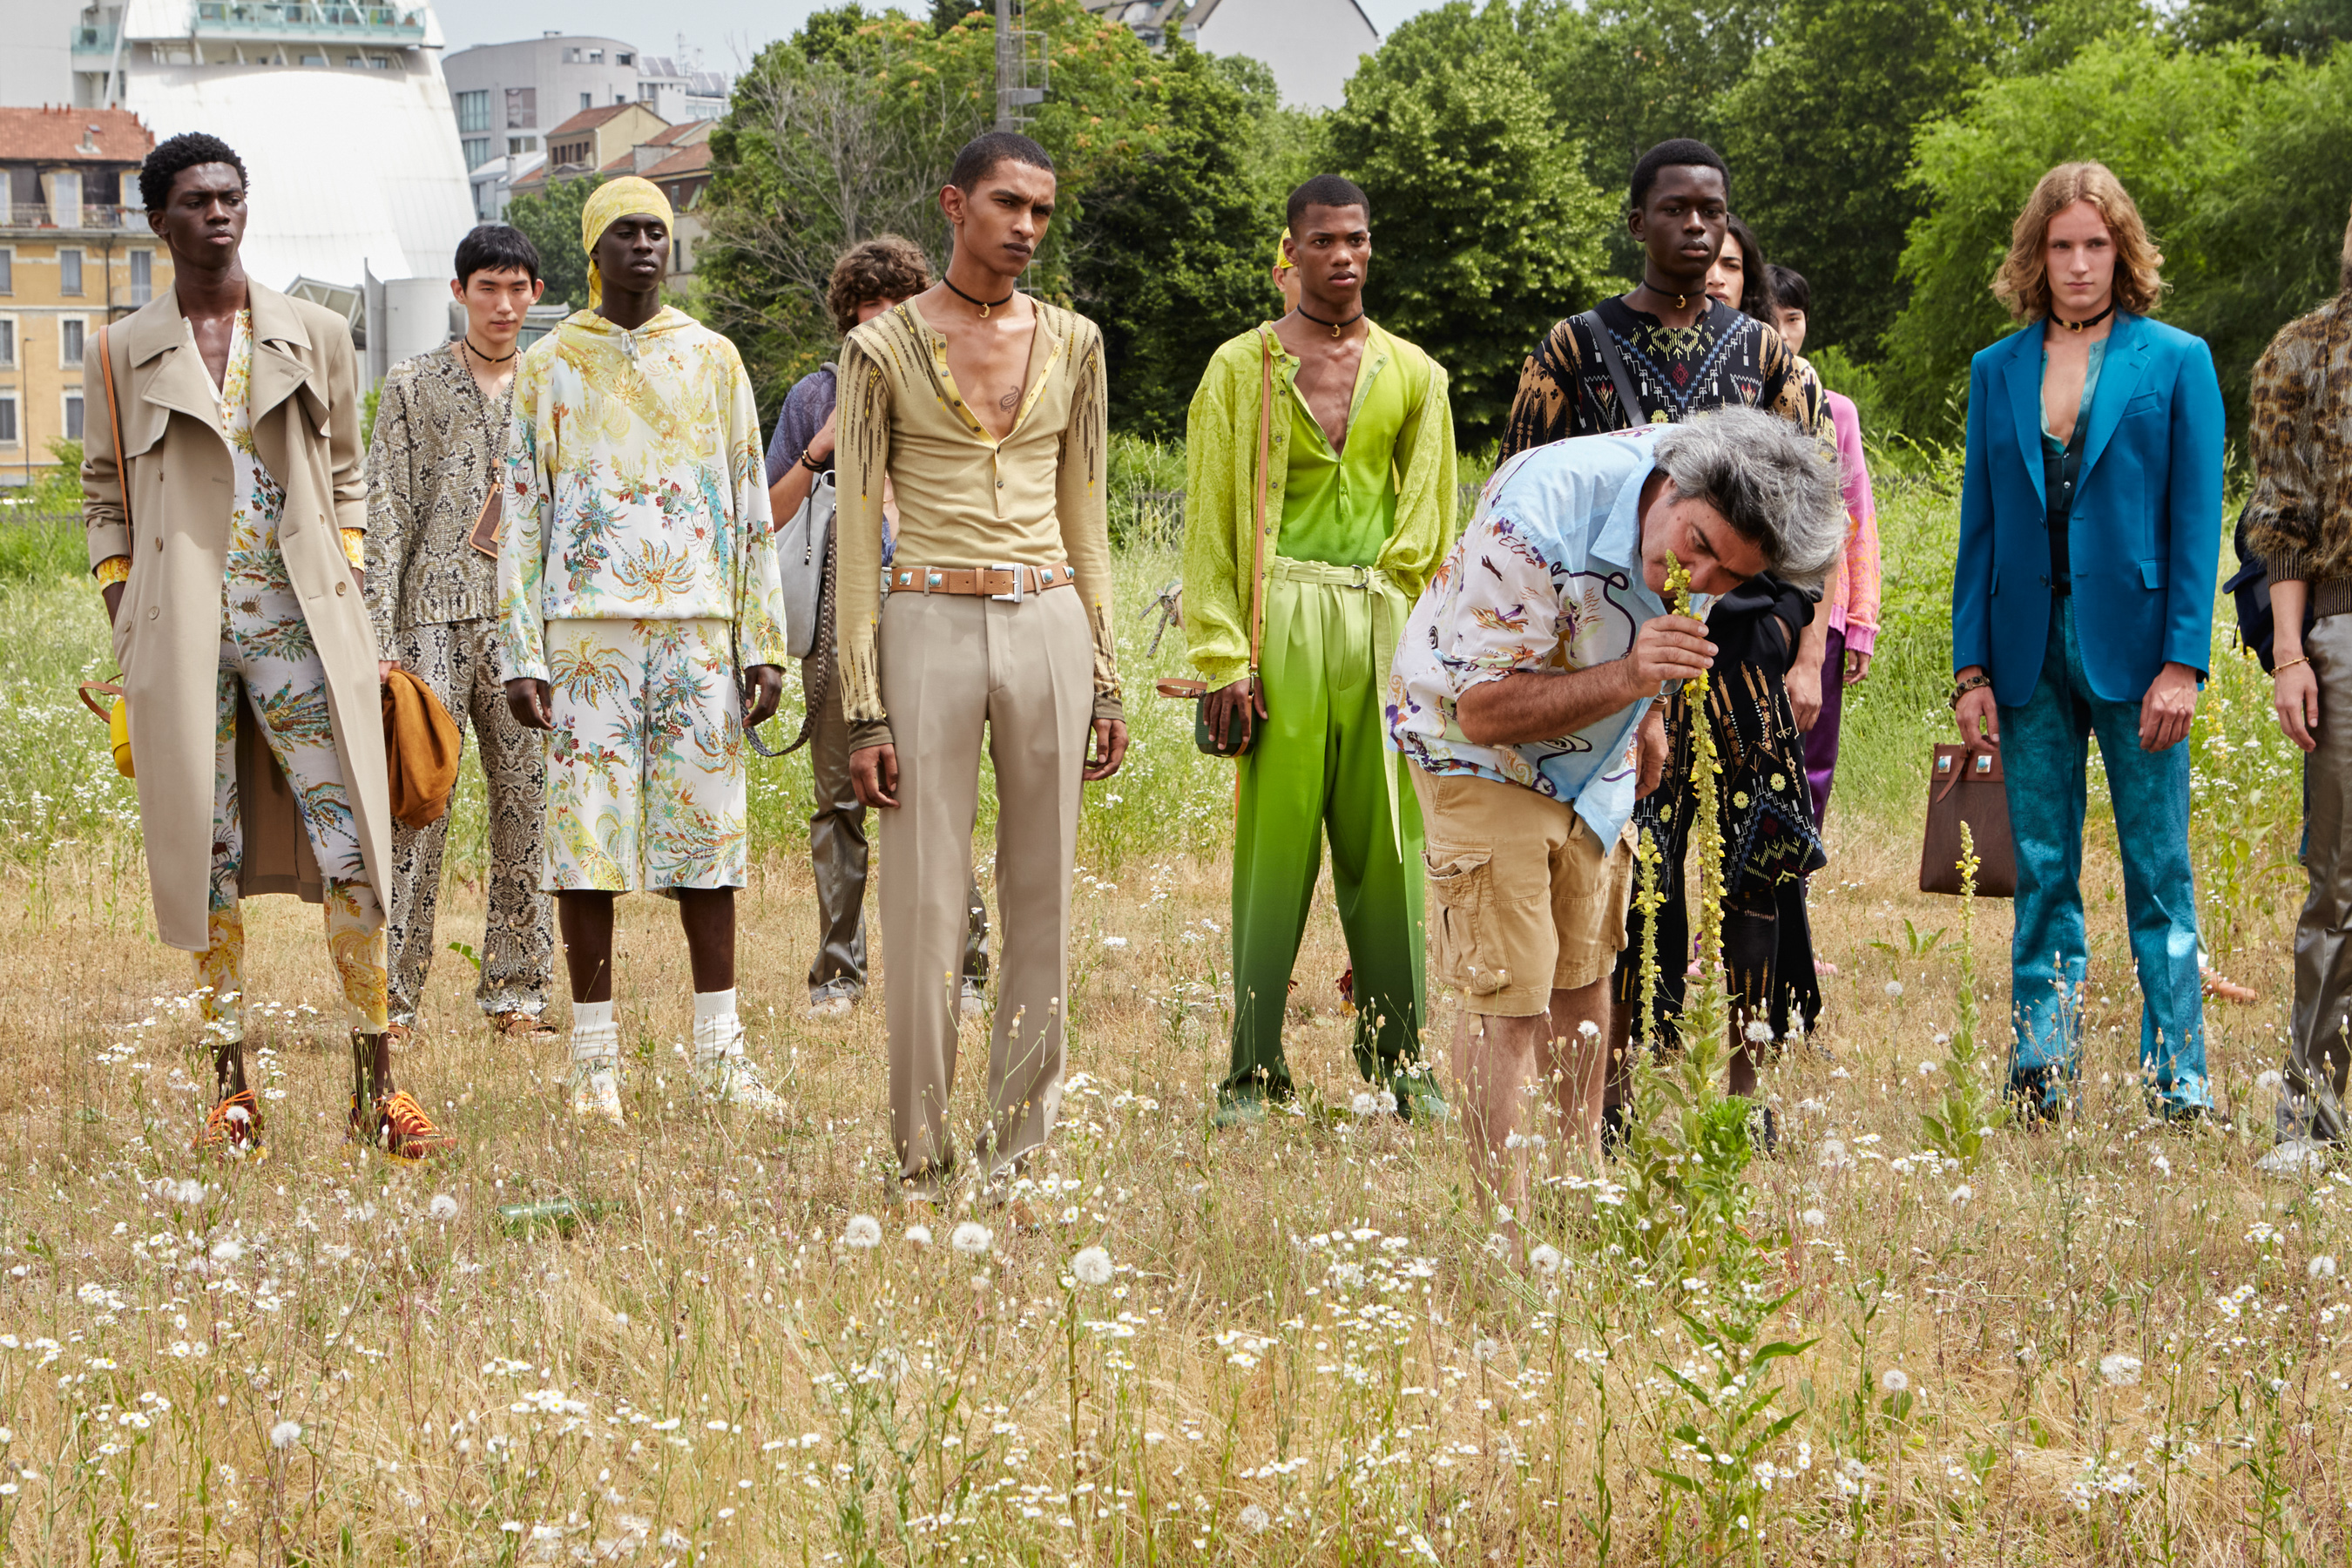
1008, 582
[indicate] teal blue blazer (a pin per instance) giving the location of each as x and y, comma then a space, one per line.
2147, 534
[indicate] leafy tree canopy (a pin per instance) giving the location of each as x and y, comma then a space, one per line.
551, 220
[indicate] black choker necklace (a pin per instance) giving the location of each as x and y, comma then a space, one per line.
2084, 326
1682, 300
985, 305
468, 341
1337, 327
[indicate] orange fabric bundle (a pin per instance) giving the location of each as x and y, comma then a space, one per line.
420, 750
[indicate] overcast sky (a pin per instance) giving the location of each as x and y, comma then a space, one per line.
725, 31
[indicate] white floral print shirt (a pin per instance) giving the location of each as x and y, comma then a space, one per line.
1547, 576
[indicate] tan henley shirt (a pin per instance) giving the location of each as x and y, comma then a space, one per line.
966, 499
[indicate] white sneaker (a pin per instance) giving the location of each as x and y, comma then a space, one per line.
834, 999
721, 1074
2294, 1157
596, 1086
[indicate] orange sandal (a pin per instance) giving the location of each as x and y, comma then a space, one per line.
517, 1024
408, 1133
233, 1127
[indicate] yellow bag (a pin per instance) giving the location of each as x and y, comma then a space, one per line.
118, 720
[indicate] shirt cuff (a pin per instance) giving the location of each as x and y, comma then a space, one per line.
112, 570
1860, 636
1108, 705
865, 733
355, 547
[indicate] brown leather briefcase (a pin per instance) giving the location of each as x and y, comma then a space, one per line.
1965, 788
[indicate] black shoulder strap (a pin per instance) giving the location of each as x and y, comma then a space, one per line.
1616, 363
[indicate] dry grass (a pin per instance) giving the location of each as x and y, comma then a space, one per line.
710, 1374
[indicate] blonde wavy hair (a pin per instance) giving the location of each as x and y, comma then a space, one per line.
2023, 284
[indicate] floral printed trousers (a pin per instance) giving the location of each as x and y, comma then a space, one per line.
267, 653
458, 661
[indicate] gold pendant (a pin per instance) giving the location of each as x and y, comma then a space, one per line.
1335, 328
983, 312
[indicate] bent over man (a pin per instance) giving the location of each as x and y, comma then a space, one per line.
988, 413
229, 545
641, 615
1359, 507
435, 504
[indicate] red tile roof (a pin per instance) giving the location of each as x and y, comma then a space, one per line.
57, 134
589, 118
685, 160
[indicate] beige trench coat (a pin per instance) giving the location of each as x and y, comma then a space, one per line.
306, 421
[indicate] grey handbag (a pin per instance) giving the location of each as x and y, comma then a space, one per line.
803, 554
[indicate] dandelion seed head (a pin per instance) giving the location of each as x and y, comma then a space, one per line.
1895, 1380
1546, 1259
863, 1231
2270, 1082
972, 1238
920, 1235
1813, 1219
1255, 1519
285, 1435
1091, 1265
1963, 1193
1895, 988
228, 1249
1759, 1031
2119, 1369
2321, 1266
442, 1207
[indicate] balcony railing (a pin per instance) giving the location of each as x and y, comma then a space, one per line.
300, 19
93, 215
93, 41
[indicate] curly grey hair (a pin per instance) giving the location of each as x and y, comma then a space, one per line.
1776, 485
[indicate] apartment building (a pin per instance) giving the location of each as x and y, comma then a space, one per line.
75, 254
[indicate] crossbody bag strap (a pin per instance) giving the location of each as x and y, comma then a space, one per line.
1264, 456
114, 424
1615, 361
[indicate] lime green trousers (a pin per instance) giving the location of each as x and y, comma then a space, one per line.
1322, 765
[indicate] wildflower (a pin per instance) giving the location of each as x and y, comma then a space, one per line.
1588, 1028
1114, 941
1895, 989
1484, 1350
920, 1235
863, 1231
1813, 1219
285, 1435
2321, 1266
1255, 1519
1895, 1380
1092, 1266
2269, 1082
443, 1208
1546, 1259
228, 1249
1963, 1193
1759, 1031
2119, 1369
970, 1239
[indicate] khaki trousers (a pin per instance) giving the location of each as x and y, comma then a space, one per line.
2317, 1049
954, 666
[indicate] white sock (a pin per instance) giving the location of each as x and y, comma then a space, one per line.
594, 1035
716, 1033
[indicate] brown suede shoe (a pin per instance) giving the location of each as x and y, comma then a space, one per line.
395, 1036
234, 1127
517, 1024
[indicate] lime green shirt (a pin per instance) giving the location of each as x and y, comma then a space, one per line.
1340, 507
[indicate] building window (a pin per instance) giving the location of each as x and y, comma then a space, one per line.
143, 276
73, 416
520, 145
8, 437
477, 151
379, 62
571, 56
7, 343
624, 59
523, 108
69, 270
7, 270
314, 59
72, 330
587, 100
596, 57
474, 109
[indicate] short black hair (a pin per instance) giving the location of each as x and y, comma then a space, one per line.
185, 151
495, 247
1790, 289
1326, 191
983, 153
1680, 152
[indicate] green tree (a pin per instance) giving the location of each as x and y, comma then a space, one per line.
2309, 27
1484, 230
1173, 251
2167, 121
551, 220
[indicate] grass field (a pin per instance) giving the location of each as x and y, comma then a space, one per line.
2104, 1343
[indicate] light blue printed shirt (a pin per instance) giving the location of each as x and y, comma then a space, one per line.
1547, 576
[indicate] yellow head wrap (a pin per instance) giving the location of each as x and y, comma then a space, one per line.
628, 196
1282, 262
